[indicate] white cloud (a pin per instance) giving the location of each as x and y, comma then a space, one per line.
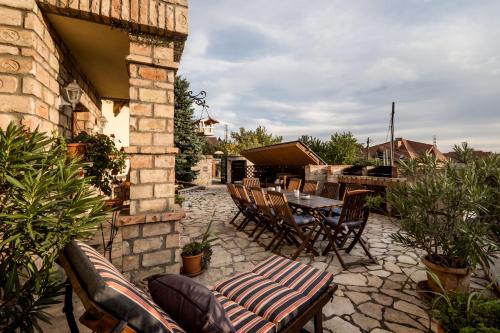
301, 67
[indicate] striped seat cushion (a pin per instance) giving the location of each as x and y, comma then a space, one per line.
264, 297
306, 280
244, 321
109, 289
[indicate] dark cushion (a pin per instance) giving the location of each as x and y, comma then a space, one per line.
333, 221
109, 289
303, 219
190, 304
331, 211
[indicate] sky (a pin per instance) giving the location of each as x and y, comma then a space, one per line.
316, 67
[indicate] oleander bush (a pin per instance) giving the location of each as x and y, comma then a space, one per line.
44, 204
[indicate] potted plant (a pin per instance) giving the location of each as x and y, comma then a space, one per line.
104, 161
196, 255
442, 211
44, 204
76, 149
466, 312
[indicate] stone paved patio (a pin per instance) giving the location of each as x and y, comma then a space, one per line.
369, 299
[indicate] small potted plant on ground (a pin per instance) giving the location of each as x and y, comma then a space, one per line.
104, 161
442, 212
196, 255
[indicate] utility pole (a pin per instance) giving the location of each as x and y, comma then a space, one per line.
225, 151
392, 135
434, 141
368, 148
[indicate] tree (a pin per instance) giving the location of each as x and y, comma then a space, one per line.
185, 137
248, 139
342, 148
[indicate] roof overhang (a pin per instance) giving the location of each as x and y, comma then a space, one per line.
293, 153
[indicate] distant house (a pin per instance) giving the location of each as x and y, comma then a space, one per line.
478, 154
403, 150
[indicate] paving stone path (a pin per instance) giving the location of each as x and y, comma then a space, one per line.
369, 299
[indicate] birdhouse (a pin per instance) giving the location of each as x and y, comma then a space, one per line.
206, 126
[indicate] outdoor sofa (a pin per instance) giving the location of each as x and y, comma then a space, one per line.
279, 295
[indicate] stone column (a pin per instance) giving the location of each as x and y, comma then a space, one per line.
150, 233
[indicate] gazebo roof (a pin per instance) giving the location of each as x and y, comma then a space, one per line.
288, 153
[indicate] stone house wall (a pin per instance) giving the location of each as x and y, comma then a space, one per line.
35, 65
204, 168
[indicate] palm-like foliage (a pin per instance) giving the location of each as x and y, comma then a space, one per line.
44, 203
447, 210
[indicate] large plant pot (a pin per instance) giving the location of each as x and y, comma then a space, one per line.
76, 149
191, 265
452, 279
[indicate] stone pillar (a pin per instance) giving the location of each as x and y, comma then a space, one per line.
150, 233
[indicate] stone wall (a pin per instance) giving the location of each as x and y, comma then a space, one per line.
35, 65
324, 173
204, 168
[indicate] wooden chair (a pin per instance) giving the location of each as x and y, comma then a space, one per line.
292, 226
237, 201
330, 190
310, 187
268, 216
350, 224
249, 208
294, 184
251, 182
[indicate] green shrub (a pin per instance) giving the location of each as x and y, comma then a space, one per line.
467, 313
44, 203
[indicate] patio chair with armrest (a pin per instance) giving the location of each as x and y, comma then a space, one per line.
251, 182
235, 196
113, 304
249, 207
292, 226
310, 187
294, 184
349, 224
268, 215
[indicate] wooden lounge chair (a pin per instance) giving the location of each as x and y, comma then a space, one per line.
251, 182
350, 224
294, 184
310, 187
113, 304
292, 226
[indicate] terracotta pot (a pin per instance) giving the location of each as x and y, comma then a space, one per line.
192, 264
452, 279
76, 149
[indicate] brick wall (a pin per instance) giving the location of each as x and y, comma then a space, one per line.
159, 17
34, 66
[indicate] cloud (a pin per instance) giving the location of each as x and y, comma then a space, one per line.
301, 67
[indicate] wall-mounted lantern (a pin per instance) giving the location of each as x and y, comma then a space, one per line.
73, 94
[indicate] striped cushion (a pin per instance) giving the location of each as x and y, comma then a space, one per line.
109, 289
309, 281
264, 297
243, 320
